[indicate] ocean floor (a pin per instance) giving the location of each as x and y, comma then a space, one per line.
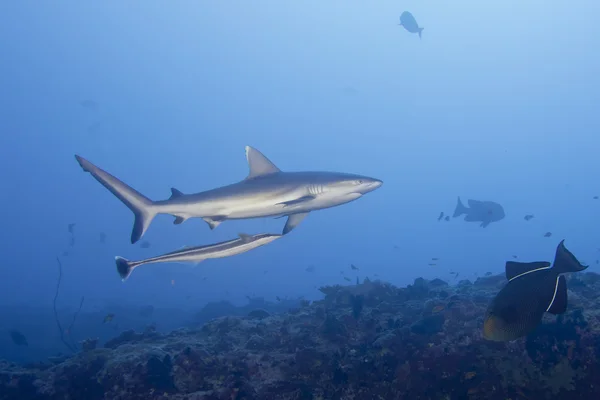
366, 341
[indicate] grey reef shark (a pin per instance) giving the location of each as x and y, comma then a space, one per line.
198, 254
265, 192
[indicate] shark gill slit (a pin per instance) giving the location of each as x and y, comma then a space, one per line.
554, 296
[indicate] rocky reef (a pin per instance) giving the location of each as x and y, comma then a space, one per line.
361, 342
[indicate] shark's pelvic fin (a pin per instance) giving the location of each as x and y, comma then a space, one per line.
259, 164
214, 221
142, 207
179, 220
296, 201
293, 221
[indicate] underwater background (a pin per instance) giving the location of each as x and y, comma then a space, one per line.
497, 101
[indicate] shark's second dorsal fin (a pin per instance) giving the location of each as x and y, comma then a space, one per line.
175, 193
259, 164
515, 269
245, 237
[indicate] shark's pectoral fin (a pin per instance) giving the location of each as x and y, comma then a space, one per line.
296, 201
293, 221
214, 221
484, 224
259, 164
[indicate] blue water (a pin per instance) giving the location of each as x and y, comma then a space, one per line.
497, 101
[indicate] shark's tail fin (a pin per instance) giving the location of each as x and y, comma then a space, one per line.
124, 267
565, 261
460, 209
420, 31
143, 208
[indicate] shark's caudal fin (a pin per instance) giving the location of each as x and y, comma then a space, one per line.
565, 261
143, 208
460, 209
123, 267
420, 31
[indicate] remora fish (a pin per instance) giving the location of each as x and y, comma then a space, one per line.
197, 254
532, 289
266, 192
408, 21
485, 212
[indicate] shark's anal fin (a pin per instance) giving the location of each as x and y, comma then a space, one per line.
558, 304
293, 221
296, 201
175, 194
245, 237
515, 269
259, 164
179, 220
214, 221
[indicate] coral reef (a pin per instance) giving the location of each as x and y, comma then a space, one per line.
361, 342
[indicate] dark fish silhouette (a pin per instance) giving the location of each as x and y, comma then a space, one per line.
528, 217
485, 212
595, 197
533, 289
410, 23
441, 216
547, 234
89, 104
447, 218
70, 227
354, 267
18, 338
108, 318
310, 268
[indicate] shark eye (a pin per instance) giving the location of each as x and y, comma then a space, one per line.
359, 182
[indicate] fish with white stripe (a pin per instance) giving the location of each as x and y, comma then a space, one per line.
533, 289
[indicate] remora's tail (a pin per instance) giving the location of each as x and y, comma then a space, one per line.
143, 208
420, 31
124, 268
565, 261
460, 209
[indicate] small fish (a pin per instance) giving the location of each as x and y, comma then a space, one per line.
470, 375
277, 298
145, 244
18, 338
447, 218
310, 268
441, 216
488, 273
437, 309
528, 217
88, 104
485, 212
533, 289
102, 237
434, 258
72, 241
265, 271
410, 23
514, 256
348, 279
204, 278
71, 227
547, 234
597, 261
432, 264
595, 197
108, 318
354, 267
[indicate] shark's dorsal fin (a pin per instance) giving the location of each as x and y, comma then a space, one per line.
259, 164
515, 269
245, 237
175, 193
